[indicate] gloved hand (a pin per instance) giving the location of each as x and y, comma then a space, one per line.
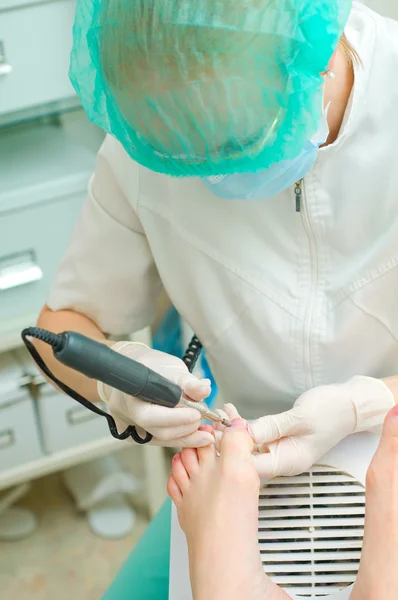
291, 442
174, 427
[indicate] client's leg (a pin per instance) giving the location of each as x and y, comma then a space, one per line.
378, 573
217, 502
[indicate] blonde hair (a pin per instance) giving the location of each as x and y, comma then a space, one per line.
350, 52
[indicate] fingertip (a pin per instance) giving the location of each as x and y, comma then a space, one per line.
197, 389
231, 411
195, 383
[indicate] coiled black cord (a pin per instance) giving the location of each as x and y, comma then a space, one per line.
192, 353
57, 341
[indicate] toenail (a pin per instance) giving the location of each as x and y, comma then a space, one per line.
239, 423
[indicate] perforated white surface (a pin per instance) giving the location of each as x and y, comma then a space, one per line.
311, 530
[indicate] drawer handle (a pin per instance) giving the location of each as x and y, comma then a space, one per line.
7, 439
5, 67
12, 276
77, 416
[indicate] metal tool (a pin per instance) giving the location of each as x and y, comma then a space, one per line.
205, 411
98, 361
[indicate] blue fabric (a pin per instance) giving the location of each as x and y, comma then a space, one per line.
167, 338
145, 574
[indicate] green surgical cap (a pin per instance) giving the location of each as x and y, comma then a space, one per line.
206, 87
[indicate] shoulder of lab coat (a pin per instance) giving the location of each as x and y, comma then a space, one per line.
108, 272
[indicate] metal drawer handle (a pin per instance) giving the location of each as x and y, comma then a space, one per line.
5, 67
19, 273
7, 439
79, 415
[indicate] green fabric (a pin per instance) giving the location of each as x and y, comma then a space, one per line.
206, 88
145, 574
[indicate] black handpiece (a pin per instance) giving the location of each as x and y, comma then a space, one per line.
98, 361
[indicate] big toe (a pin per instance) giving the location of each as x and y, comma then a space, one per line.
237, 464
237, 441
383, 470
390, 428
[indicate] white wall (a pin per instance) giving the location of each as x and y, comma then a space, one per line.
384, 7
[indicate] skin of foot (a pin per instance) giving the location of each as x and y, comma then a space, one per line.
217, 503
378, 573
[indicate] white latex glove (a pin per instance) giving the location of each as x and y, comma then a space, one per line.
173, 427
291, 442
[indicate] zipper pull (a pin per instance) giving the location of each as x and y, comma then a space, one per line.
298, 193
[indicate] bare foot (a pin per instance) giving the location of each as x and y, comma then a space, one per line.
378, 573
217, 503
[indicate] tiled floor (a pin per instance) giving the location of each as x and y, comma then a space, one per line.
63, 560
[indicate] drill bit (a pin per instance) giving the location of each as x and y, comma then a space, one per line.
205, 411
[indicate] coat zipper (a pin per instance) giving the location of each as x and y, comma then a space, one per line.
301, 206
298, 191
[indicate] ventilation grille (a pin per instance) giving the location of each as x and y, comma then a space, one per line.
310, 531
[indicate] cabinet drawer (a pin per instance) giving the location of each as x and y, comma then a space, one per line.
19, 432
19, 435
35, 43
65, 423
32, 242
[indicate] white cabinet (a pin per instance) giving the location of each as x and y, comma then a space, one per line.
19, 432
35, 43
65, 423
43, 178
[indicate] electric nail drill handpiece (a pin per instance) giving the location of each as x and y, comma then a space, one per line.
98, 361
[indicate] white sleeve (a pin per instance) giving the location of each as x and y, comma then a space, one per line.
108, 272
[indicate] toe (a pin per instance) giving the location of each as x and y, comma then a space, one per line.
388, 445
383, 470
189, 457
236, 454
237, 441
180, 473
174, 491
390, 429
208, 453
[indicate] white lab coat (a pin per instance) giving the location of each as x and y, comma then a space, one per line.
282, 301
